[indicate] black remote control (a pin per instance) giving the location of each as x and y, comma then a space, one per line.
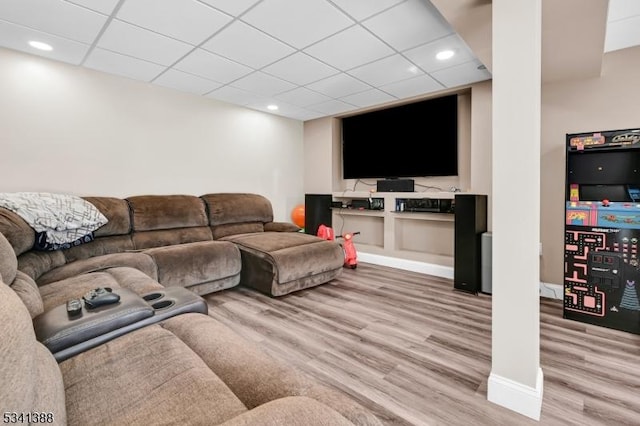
74, 307
100, 297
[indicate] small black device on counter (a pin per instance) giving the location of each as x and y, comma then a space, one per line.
74, 307
428, 205
99, 297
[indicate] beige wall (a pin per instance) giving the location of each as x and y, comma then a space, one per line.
68, 129
606, 103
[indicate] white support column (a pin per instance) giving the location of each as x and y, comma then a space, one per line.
516, 380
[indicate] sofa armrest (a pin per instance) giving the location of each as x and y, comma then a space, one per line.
66, 337
57, 331
281, 227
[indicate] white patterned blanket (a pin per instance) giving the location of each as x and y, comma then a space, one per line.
64, 218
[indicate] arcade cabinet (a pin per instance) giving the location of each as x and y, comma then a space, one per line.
602, 229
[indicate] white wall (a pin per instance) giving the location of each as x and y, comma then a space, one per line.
68, 129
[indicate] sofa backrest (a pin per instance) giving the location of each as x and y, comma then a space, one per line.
141, 222
237, 213
30, 379
161, 220
21, 236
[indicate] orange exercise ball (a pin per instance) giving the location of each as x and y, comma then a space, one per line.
297, 215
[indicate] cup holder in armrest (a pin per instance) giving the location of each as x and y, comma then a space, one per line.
153, 296
163, 304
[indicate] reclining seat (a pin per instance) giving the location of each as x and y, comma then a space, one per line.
189, 369
273, 262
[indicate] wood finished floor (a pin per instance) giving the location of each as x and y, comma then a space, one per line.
416, 352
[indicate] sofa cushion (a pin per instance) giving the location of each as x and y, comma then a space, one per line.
136, 260
8, 261
221, 231
116, 210
28, 292
30, 380
187, 265
292, 410
21, 236
226, 208
148, 377
255, 377
36, 263
284, 251
168, 237
99, 247
153, 212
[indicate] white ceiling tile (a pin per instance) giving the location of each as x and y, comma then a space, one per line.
425, 55
409, 24
114, 63
102, 6
362, 47
302, 97
213, 67
412, 87
284, 109
232, 95
185, 20
17, 37
130, 40
339, 85
298, 23
364, 9
247, 45
332, 107
622, 34
462, 74
186, 82
388, 70
300, 69
71, 21
622, 9
263, 84
368, 98
234, 7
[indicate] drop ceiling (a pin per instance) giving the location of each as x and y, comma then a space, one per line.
311, 58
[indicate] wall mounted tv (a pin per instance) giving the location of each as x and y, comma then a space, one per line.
411, 140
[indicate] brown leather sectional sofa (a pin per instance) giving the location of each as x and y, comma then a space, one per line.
175, 365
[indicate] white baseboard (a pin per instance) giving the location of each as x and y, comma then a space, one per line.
516, 396
408, 265
553, 291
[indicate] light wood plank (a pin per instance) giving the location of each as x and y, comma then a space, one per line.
416, 352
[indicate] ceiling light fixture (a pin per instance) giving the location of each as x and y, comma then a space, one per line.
272, 107
40, 45
445, 54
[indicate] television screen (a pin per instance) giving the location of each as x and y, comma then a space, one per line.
412, 140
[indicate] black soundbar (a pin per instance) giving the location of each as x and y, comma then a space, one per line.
395, 185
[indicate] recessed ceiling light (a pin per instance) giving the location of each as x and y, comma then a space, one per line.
272, 107
445, 54
40, 45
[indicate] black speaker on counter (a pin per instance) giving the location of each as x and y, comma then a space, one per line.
395, 185
317, 211
470, 224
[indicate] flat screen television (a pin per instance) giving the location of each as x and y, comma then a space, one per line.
411, 140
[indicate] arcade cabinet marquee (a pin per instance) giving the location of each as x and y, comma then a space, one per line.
602, 229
